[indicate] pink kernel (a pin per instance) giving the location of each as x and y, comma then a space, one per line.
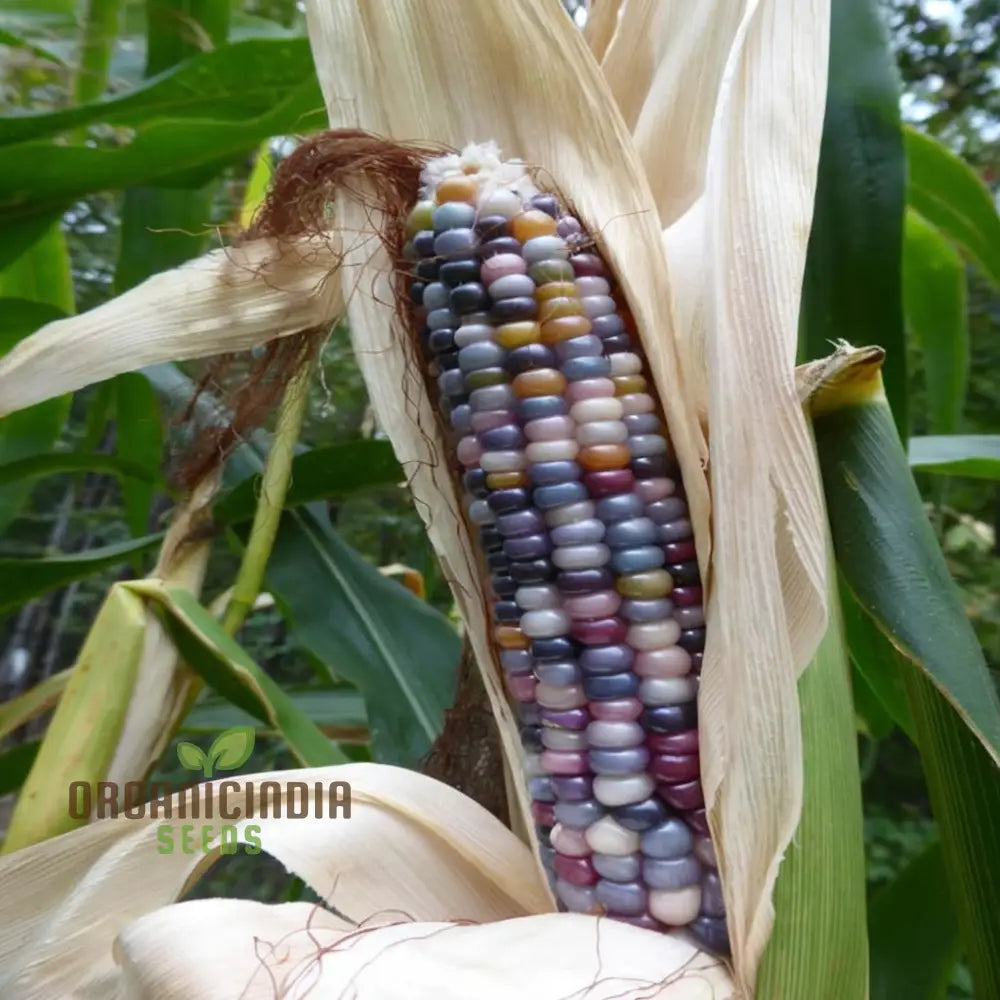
521, 687
486, 420
601, 604
590, 388
671, 661
651, 490
469, 451
500, 266
568, 762
619, 710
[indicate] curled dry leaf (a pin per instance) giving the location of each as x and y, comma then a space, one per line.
218, 948
411, 846
228, 300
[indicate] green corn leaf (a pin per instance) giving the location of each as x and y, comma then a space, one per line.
40, 176
976, 455
19, 238
319, 474
13, 41
399, 652
888, 554
33, 431
139, 442
964, 784
177, 29
891, 561
83, 733
229, 671
819, 947
852, 277
935, 303
338, 711
16, 764
914, 935
25, 578
878, 662
59, 462
213, 86
950, 195
25, 707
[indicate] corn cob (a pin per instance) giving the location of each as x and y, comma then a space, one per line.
576, 498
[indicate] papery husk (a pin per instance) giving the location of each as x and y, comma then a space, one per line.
411, 845
229, 300
563, 122
215, 948
664, 64
767, 590
738, 219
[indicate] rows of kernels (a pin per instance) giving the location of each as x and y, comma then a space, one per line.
568, 472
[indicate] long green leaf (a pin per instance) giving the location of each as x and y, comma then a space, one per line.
947, 192
935, 302
227, 669
21, 579
852, 280
319, 474
40, 176
25, 707
177, 29
964, 785
214, 85
34, 430
37, 286
878, 661
976, 455
398, 651
139, 442
890, 558
340, 710
819, 946
16, 764
914, 934
40, 466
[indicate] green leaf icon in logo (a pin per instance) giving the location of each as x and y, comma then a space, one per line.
228, 751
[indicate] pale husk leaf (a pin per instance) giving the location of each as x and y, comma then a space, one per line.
564, 121
664, 65
602, 22
219, 948
411, 845
228, 300
767, 609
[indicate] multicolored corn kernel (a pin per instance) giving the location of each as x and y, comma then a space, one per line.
574, 491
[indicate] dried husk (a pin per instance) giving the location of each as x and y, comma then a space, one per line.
569, 128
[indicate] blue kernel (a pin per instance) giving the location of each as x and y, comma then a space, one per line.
547, 497
551, 473
608, 687
637, 560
